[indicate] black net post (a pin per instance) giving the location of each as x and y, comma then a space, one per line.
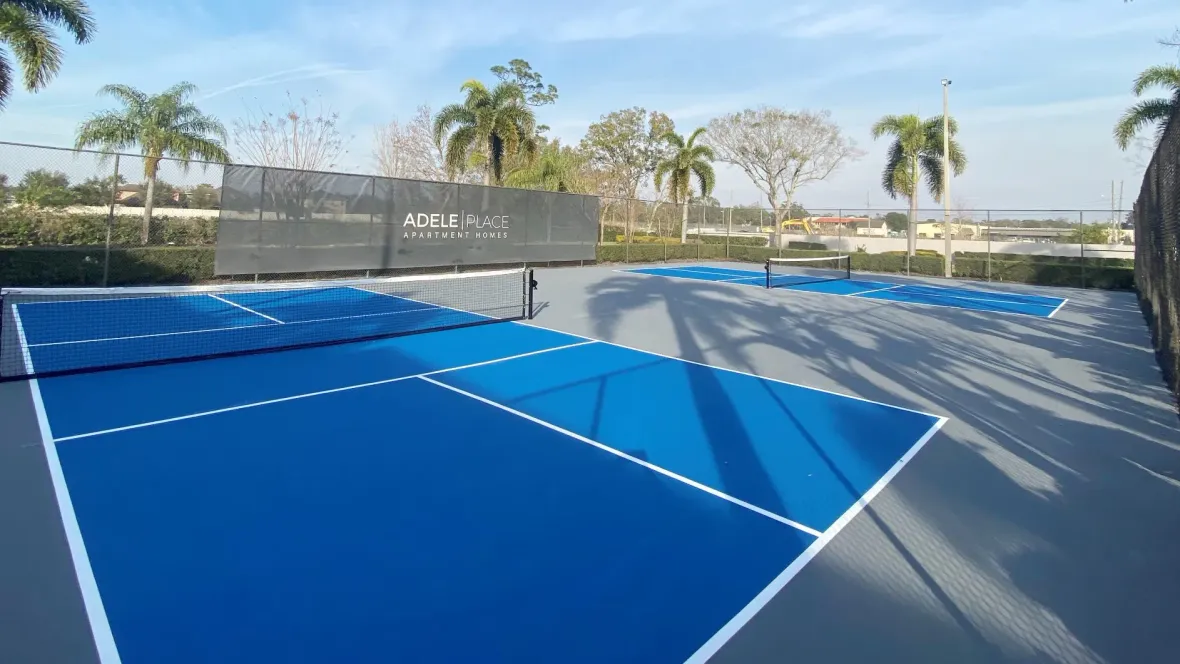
767, 268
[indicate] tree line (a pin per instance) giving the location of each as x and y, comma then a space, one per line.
492, 134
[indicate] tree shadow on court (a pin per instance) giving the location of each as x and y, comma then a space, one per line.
1032, 528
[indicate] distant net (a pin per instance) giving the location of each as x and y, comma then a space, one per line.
53, 331
786, 272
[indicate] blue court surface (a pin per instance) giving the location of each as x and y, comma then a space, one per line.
912, 293
501, 493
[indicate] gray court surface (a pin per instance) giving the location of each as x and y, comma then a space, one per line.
1039, 525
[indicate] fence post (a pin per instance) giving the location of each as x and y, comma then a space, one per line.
989, 245
840, 232
663, 238
728, 230
106, 252
700, 232
1082, 243
627, 234
261, 211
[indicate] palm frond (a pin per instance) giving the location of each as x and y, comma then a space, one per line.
110, 131
125, 93
895, 162
694, 135
661, 172
505, 94
458, 148
73, 15
31, 40
1138, 116
5, 79
1165, 76
930, 165
189, 146
703, 152
672, 138
706, 178
892, 125
449, 116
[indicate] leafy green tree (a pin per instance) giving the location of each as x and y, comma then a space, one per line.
203, 197
96, 191
166, 124
1090, 234
557, 168
486, 129
3, 189
44, 188
916, 151
628, 144
25, 29
896, 221
687, 160
1150, 111
521, 73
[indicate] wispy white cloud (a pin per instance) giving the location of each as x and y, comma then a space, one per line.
304, 73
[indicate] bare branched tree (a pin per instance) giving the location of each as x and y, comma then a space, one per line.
408, 150
781, 151
299, 138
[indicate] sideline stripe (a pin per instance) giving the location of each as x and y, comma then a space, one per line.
100, 626
735, 624
663, 471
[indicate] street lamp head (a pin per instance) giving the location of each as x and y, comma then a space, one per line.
946, 81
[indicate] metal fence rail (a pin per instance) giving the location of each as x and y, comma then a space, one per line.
1157, 251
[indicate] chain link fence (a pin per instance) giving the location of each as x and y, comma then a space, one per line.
1157, 250
82, 218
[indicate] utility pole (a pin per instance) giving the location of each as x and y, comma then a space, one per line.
946, 174
1113, 228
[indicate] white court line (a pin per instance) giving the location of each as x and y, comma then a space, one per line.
768, 593
1054, 312
663, 471
226, 329
936, 292
244, 308
100, 626
346, 388
728, 370
878, 290
869, 299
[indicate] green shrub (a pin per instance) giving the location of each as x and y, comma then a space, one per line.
135, 266
812, 246
24, 226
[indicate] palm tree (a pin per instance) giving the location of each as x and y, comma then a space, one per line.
24, 28
1150, 111
916, 152
487, 128
161, 125
556, 168
685, 160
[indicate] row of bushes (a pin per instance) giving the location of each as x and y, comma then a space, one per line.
1108, 273
44, 228
74, 266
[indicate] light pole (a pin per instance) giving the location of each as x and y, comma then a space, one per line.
946, 174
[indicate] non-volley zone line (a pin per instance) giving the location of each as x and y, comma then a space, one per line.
238, 327
427, 376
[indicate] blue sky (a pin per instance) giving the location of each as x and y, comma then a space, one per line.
1038, 84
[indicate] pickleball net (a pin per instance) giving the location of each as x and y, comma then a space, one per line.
54, 331
785, 272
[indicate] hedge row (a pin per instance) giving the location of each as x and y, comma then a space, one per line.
137, 266
30, 227
76, 266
